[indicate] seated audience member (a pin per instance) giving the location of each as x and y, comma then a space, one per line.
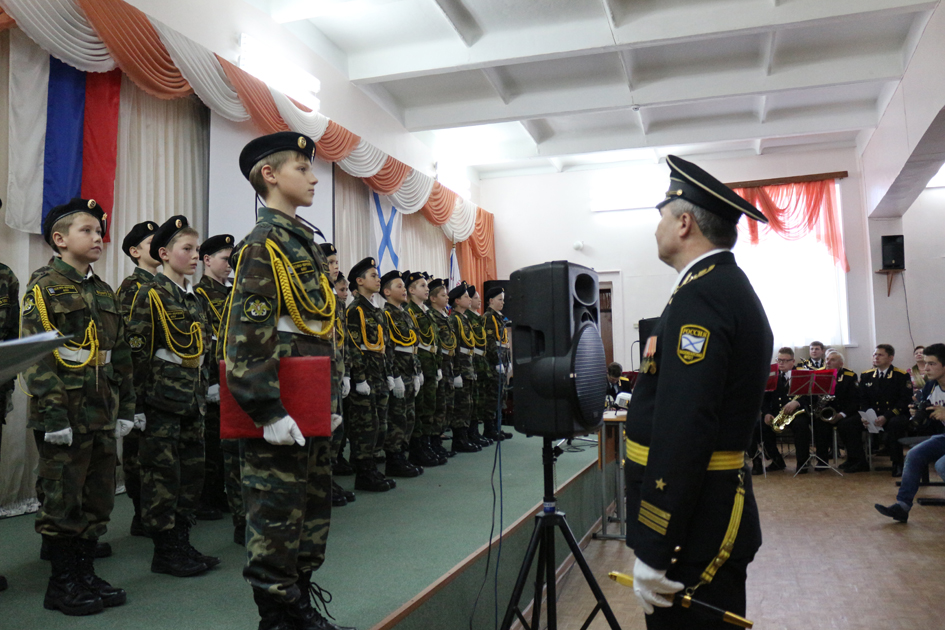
931, 451
846, 404
816, 360
917, 373
774, 402
616, 382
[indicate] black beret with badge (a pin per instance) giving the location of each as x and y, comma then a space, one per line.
88, 206
165, 233
436, 283
328, 249
688, 181
362, 266
471, 290
458, 291
493, 292
264, 146
137, 234
389, 277
214, 244
412, 276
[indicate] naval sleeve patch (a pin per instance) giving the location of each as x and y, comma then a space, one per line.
136, 342
257, 308
693, 341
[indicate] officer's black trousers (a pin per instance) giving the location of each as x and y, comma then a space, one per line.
726, 591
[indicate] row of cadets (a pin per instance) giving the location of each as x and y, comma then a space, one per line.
443, 418
464, 373
495, 364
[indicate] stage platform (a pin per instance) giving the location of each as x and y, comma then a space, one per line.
414, 557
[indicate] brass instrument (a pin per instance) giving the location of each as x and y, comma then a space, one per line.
822, 411
782, 420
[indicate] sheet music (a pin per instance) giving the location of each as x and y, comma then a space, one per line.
870, 416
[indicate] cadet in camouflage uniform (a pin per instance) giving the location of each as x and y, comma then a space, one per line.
479, 366
281, 306
169, 314
464, 372
496, 363
340, 465
9, 328
446, 342
370, 377
82, 401
422, 452
136, 246
402, 358
221, 483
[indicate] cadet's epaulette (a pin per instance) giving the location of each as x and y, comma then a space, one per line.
900, 370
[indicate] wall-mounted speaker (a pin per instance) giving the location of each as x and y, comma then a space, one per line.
894, 256
560, 370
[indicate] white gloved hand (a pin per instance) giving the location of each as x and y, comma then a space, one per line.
422, 380
652, 588
439, 375
417, 383
399, 389
62, 438
363, 388
123, 427
345, 386
458, 382
213, 393
390, 383
9, 402
283, 432
141, 421
500, 369
335, 421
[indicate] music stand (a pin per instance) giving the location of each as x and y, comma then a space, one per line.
813, 383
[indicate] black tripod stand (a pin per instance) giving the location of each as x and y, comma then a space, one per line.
543, 542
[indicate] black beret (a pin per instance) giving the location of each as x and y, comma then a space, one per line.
436, 283
427, 276
493, 292
457, 291
87, 206
166, 232
412, 276
340, 278
390, 276
214, 244
688, 181
137, 234
328, 249
362, 266
471, 290
265, 146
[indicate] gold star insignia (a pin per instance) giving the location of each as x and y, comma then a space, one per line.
660, 484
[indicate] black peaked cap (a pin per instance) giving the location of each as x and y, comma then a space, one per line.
688, 181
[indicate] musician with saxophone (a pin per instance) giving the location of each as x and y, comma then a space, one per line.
775, 403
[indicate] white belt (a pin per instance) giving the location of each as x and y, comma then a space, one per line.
366, 349
479, 352
406, 349
506, 345
80, 355
465, 351
448, 353
166, 355
427, 348
287, 325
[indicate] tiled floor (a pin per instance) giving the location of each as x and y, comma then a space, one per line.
829, 560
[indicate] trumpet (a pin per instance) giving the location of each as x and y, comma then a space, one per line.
782, 420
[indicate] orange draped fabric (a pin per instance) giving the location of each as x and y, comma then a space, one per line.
796, 210
134, 43
255, 97
439, 207
389, 178
5, 21
476, 255
337, 143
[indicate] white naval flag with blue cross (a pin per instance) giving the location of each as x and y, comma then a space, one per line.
387, 222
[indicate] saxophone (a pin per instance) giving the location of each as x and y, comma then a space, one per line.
822, 411
782, 420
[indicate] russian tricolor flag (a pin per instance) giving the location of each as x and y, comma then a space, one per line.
67, 133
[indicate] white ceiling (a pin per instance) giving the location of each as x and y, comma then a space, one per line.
511, 86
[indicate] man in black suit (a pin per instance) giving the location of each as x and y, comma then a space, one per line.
773, 403
616, 381
694, 407
817, 360
846, 404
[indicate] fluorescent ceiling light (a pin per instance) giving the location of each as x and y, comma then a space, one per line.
263, 62
939, 180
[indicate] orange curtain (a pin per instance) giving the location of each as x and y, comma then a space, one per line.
476, 255
134, 43
5, 21
336, 143
255, 97
796, 210
389, 178
439, 207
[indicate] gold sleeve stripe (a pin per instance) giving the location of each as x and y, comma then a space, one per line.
659, 529
662, 514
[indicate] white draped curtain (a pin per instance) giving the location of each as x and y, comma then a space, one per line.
354, 239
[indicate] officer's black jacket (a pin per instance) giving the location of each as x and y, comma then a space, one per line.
889, 396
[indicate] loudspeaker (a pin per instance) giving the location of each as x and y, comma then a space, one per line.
894, 256
560, 369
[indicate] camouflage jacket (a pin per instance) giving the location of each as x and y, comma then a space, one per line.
425, 325
127, 293
167, 327
497, 338
260, 330
9, 317
213, 296
341, 348
445, 337
402, 349
476, 324
465, 345
366, 320
89, 398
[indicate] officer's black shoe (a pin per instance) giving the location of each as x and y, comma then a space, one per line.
182, 529
85, 559
857, 467
239, 530
368, 478
66, 592
757, 466
304, 613
3, 583
894, 511
776, 465
897, 470
461, 443
169, 558
271, 612
342, 468
398, 466
137, 527
338, 498
208, 513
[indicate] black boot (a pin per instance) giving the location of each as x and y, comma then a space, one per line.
85, 561
102, 550
472, 434
169, 558
338, 498
207, 512
3, 583
436, 442
368, 478
420, 456
461, 444
66, 592
304, 614
137, 527
239, 530
426, 443
341, 467
271, 612
398, 466
182, 528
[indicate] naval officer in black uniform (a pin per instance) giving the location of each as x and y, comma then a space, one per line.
695, 405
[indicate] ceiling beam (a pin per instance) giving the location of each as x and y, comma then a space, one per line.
771, 44
538, 129
461, 20
651, 28
499, 82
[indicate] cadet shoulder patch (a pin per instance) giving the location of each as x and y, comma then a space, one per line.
257, 308
693, 341
62, 289
28, 304
136, 342
4, 300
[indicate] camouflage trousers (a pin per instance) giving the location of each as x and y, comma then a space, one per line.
232, 477
489, 396
77, 484
338, 435
425, 402
443, 412
464, 398
213, 493
131, 466
367, 424
172, 468
401, 419
287, 494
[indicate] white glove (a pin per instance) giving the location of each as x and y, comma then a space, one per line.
123, 427
283, 432
9, 402
500, 369
62, 438
345, 386
439, 375
417, 383
399, 389
335, 421
141, 421
422, 379
458, 382
390, 383
213, 393
652, 588
363, 388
